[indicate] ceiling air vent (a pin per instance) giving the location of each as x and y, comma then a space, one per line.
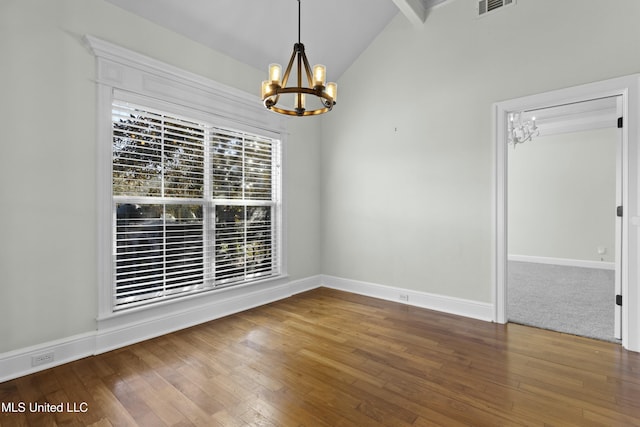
486, 6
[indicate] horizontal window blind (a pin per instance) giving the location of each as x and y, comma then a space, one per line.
159, 251
195, 206
156, 155
242, 166
244, 243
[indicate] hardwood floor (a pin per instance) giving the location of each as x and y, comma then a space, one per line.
330, 358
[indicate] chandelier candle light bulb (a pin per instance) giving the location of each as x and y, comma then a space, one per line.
332, 90
266, 87
319, 75
275, 73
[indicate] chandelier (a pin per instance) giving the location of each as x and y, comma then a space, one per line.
293, 100
520, 131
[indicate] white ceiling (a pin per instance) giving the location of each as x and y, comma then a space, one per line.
259, 32
334, 32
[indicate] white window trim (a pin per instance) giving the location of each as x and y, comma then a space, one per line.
142, 79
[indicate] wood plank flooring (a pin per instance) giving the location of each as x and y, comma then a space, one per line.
330, 358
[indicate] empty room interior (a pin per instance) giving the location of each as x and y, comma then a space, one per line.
438, 225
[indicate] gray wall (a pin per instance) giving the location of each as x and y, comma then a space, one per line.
408, 154
401, 169
562, 196
48, 266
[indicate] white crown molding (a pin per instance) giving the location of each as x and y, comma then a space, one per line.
575, 117
121, 68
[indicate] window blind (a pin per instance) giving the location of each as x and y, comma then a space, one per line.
195, 206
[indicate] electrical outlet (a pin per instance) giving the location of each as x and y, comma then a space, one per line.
42, 359
404, 297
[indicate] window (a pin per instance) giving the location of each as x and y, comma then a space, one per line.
188, 196
196, 206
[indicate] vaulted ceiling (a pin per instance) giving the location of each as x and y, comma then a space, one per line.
334, 32
259, 32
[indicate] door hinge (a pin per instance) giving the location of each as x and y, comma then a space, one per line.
620, 122
618, 299
619, 211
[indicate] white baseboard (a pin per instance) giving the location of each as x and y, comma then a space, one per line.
603, 265
17, 363
121, 331
446, 304
114, 333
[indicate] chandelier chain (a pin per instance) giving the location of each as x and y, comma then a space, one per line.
299, 18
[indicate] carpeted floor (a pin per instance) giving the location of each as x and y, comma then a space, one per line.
573, 300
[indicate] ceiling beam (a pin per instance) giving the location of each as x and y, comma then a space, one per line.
414, 10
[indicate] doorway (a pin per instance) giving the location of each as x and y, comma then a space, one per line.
563, 237
628, 88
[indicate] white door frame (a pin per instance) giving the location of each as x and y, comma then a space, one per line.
620, 182
628, 88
